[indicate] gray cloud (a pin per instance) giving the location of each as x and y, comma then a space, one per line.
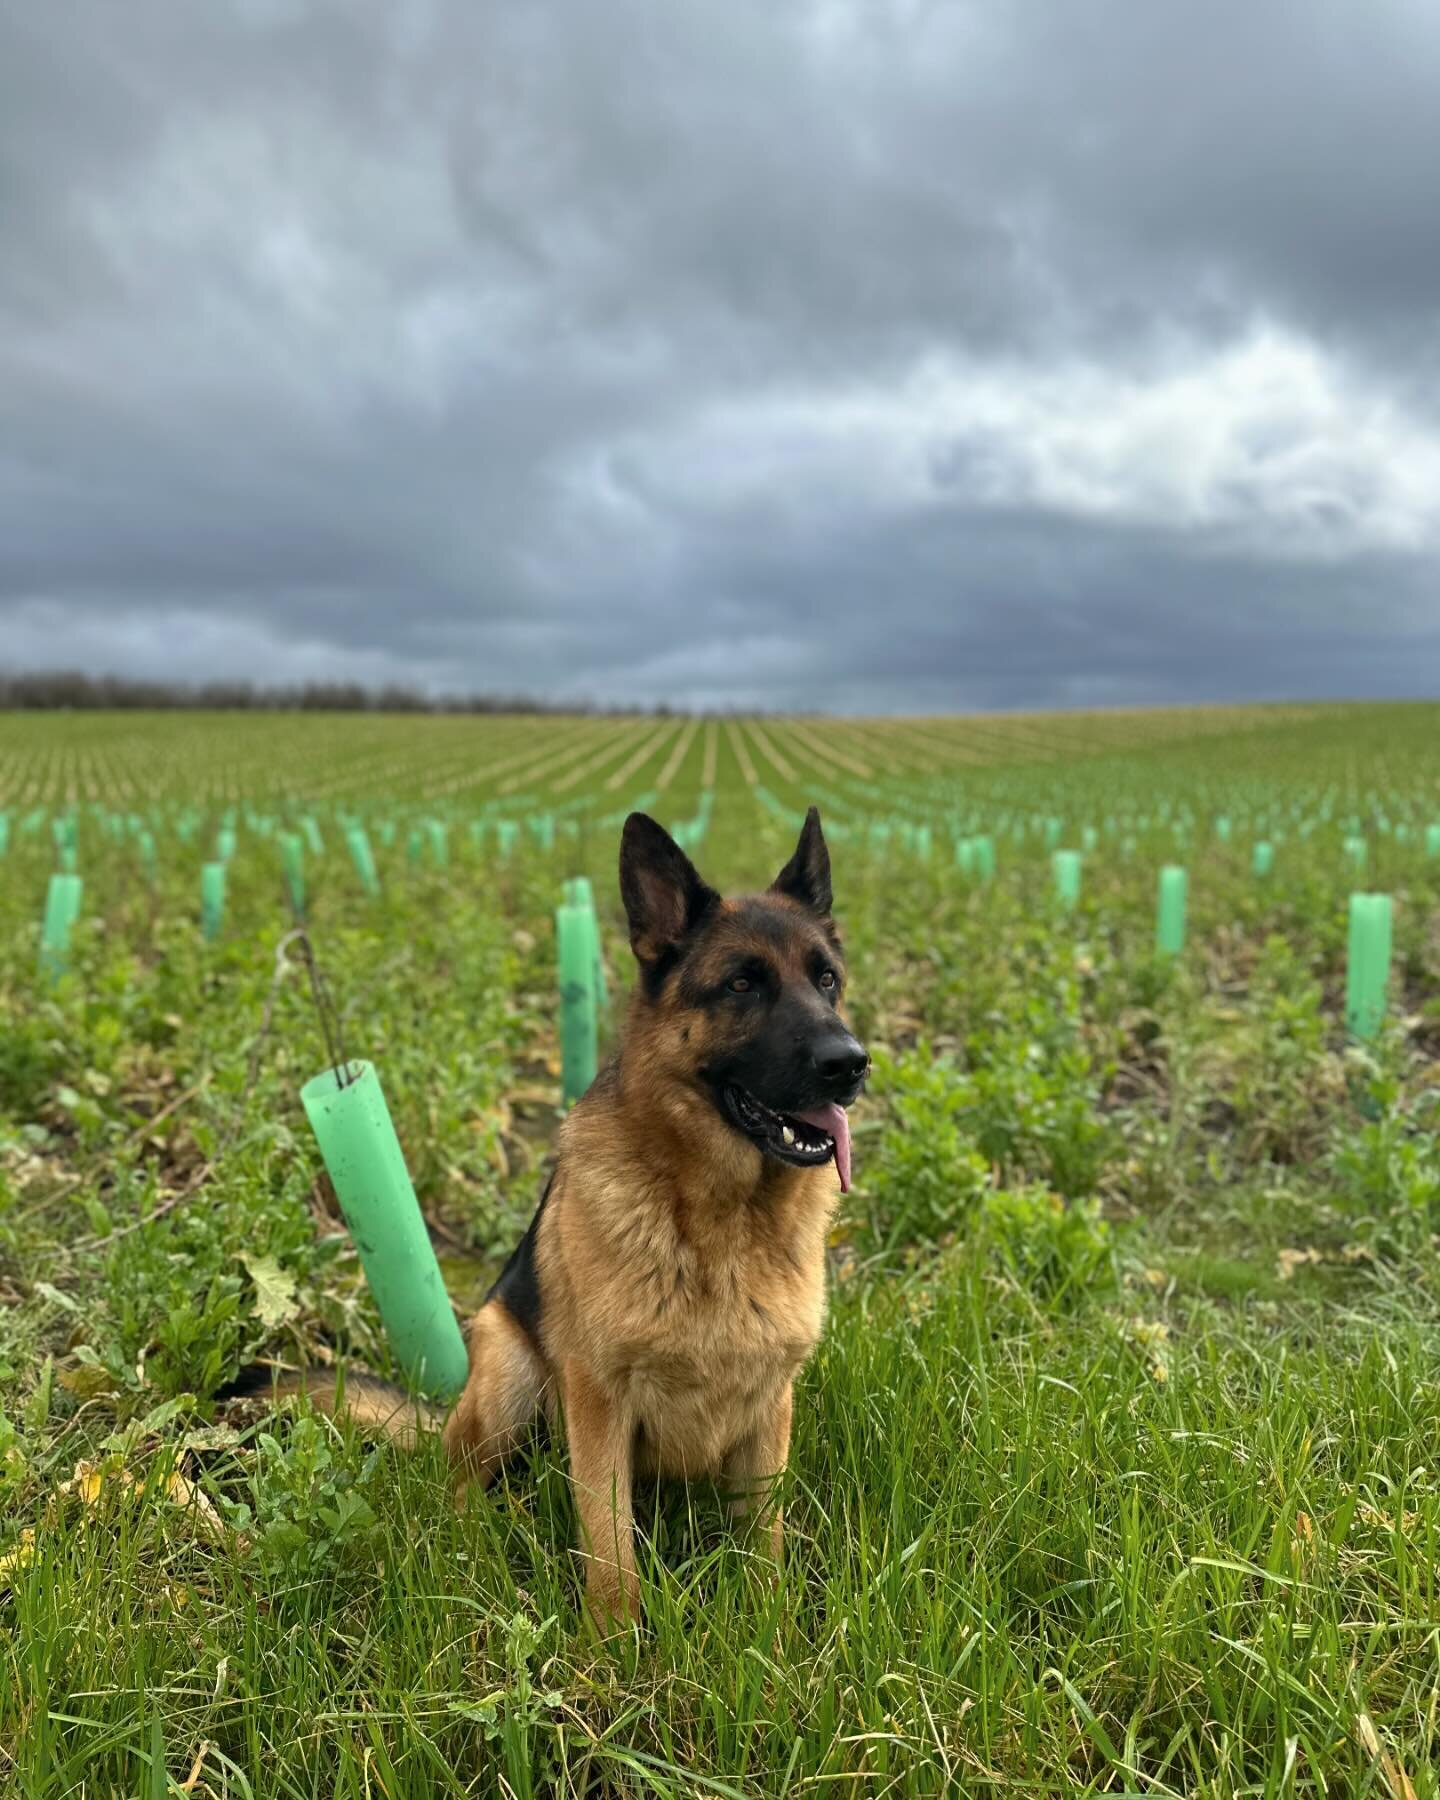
851, 354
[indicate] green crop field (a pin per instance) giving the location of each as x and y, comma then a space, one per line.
1118, 1470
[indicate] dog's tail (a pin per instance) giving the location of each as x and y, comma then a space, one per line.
380, 1409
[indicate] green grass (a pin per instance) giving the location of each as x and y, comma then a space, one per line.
1116, 1470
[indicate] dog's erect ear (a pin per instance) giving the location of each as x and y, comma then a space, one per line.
806, 877
665, 899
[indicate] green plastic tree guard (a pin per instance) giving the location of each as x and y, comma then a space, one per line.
1355, 849
1367, 967
212, 899
576, 957
506, 832
1432, 840
367, 1166
578, 892
1262, 859
74, 891
225, 843
1065, 865
62, 909
984, 850
364, 859
4, 832
292, 863
439, 843
965, 856
602, 986
1170, 911
1223, 828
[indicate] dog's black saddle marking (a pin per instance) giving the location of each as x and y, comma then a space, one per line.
518, 1284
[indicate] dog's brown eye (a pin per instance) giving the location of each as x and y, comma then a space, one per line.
740, 985
827, 979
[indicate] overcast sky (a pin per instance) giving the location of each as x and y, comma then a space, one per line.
862, 354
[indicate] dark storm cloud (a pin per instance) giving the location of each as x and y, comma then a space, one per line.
851, 355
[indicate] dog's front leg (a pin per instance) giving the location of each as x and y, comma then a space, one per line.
754, 1467
601, 1442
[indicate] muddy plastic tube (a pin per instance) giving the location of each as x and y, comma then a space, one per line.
578, 892
367, 1167
575, 944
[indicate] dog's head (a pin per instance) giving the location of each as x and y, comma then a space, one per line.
741, 998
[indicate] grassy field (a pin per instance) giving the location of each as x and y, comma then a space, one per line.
1118, 1470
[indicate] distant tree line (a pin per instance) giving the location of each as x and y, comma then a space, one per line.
65, 690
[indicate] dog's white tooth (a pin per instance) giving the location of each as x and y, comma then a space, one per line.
788, 1135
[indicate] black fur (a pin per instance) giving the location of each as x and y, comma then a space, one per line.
517, 1286
258, 1381
252, 1383
806, 877
664, 897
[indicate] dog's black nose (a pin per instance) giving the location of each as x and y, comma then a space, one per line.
842, 1064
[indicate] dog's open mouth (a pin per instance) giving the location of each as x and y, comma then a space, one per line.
805, 1139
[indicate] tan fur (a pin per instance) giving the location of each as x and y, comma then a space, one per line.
379, 1410
683, 1276
507, 1383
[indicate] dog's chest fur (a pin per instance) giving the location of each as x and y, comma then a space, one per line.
695, 1307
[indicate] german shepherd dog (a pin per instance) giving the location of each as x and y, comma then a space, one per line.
672, 1281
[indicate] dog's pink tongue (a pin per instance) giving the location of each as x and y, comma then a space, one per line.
832, 1118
